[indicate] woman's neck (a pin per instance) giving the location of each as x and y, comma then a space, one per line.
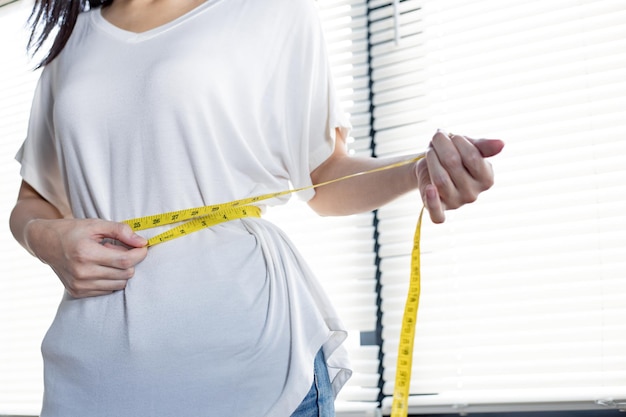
143, 15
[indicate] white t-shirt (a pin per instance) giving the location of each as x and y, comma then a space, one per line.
231, 100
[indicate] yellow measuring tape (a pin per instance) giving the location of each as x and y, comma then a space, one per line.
194, 219
198, 218
400, 404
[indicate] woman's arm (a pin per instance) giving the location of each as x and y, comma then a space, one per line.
452, 174
30, 205
74, 248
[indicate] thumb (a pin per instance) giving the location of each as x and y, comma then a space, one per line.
488, 147
123, 233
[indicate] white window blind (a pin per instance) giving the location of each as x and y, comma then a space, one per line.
524, 292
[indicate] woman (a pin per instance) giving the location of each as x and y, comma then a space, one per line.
150, 106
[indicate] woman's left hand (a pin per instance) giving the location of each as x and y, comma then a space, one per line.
454, 172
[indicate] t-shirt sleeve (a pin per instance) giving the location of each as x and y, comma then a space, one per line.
38, 155
321, 108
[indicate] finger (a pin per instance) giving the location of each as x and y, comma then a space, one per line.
450, 175
97, 285
89, 273
107, 285
430, 197
110, 245
108, 255
437, 176
104, 288
433, 204
88, 294
488, 147
97, 280
95, 261
475, 164
123, 259
123, 233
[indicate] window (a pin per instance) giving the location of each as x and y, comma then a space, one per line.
524, 292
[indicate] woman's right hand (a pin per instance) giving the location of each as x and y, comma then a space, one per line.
82, 254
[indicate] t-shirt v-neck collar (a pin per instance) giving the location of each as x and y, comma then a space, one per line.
129, 36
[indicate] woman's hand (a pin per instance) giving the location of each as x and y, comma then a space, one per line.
454, 172
81, 253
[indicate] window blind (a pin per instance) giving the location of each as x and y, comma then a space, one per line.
524, 292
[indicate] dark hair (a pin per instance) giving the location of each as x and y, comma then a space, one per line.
50, 15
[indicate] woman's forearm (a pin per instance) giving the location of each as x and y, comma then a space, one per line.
29, 208
364, 192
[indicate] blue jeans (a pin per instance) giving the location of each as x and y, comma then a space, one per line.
320, 401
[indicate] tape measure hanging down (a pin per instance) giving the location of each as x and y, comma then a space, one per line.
404, 364
198, 218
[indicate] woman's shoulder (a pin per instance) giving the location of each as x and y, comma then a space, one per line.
300, 10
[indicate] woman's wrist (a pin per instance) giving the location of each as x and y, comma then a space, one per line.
33, 235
